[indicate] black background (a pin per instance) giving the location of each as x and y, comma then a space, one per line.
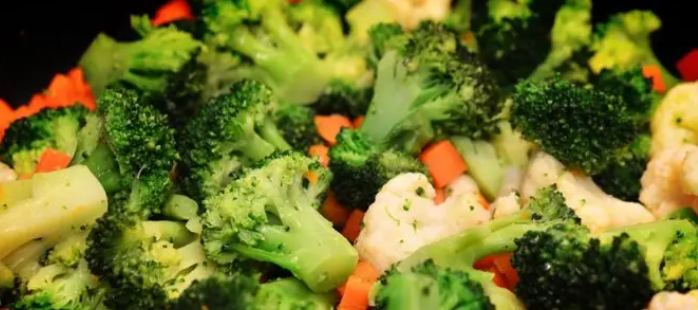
40, 38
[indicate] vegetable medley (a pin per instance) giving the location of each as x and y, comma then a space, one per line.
355, 155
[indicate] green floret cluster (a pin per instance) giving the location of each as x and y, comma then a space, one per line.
297, 126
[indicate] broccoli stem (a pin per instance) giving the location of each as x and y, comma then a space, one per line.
308, 246
271, 134
174, 232
181, 207
103, 165
257, 148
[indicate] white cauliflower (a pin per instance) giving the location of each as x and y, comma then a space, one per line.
597, 210
674, 301
404, 218
409, 13
6, 173
671, 180
506, 205
676, 120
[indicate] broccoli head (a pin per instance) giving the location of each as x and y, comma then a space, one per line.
146, 263
428, 85
297, 125
270, 214
549, 203
427, 286
621, 179
245, 292
513, 38
229, 132
145, 64
582, 127
616, 269
361, 168
27, 139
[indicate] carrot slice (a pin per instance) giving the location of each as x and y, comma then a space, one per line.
352, 228
364, 271
688, 66
322, 152
311, 176
332, 210
355, 294
6, 117
440, 196
172, 11
444, 162
655, 73
499, 279
52, 160
485, 263
503, 264
358, 122
329, 126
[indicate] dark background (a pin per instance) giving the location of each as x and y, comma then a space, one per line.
41, 38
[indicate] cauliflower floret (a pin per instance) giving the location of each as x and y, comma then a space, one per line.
6, 173
674, 301
506, 205
671, 180
597, 210
404, 218
462, 184
676, 120
410, 13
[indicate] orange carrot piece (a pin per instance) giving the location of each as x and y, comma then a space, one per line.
6, 117
440, 196
355, 294
358, 122
366, 272
329, 126
655, 73
352, 228
322, 152
444, 162
332, 210
485, 263
172, 11
499, 279
503, 264
311, 176
52, 160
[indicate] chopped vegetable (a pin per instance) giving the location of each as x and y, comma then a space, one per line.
172, 11
333, 211
321, 152
52, 160
353, 226
329, 126
688, 66
444, 162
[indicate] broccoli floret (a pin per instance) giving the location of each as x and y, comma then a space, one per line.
270, 214
616, 269
582, 127
297, 125
57, 287
132, 152
244, 292
624, 42
318, 24
361, 168
427, 85
146, 263
513, 38
231, 131
69, 251
27, 139
427, 286
549, 203
680, 269
145, 64
621, 179
342, 98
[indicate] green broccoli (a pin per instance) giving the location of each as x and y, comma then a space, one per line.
624, 42
318, 25
244, 292
270, 214
297, 125
428, 86
582, 127
231, 131
621, 179
612, 270
145, 64
427, 286
514, 37
146, 263
131, 149
361, 168
461, 251
27, 139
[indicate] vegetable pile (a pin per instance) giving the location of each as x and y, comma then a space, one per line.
355, 155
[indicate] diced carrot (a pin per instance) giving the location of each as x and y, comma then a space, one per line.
322, 152
311, 176
358, 122
440, 195
485, 263
355, 294
366, 272
499, 279
332, 210
655, 73
483, 201
688, 66
329, 126
60, 91
444, 162
6, 117
503, 264
352, 228
172, 11
52, 160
